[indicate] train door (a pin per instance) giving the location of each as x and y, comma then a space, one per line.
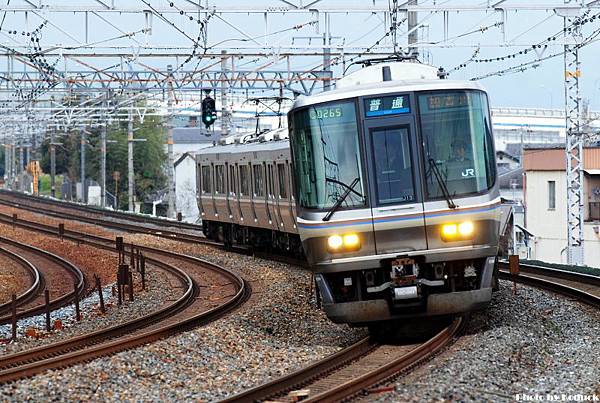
247, 212
232, 195
219, 193
208, 207
396, 202
283, 197
272, 198
259, 200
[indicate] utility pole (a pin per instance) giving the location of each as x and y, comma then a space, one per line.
20, 168
413, 31
574, 137
103, 155
130, 172
6, 163
171, 159
53, 162
82, 163
224, 90
13, 162
327, 52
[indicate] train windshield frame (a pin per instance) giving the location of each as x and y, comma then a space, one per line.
323, 138
457, 136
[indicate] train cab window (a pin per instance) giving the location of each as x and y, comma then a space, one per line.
244, 180
232, 183
206, 188
391, 155
282, 181
259, 183
219, 179
324, 141
459, 152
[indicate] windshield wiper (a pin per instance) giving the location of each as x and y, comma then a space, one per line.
438, 176
343, 197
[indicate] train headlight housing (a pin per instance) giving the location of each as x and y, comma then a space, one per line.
449, 230
458, 232
351, 242
465, 229
335, 242
343, 243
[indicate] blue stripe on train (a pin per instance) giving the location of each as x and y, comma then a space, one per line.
399, 218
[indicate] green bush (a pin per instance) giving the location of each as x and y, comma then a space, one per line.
594, 271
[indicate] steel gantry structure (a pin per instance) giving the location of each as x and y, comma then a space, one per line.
65, 62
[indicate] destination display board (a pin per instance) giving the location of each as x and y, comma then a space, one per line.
389, 105
447, 101
326, 113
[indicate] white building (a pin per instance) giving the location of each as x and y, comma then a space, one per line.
185, 187
545, 192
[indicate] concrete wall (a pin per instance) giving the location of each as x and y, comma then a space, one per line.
550, 225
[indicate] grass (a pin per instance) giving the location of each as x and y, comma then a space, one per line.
594, 271
44, 186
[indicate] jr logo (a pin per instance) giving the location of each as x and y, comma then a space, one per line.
468, 173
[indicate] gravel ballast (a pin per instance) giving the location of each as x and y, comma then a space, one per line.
92, 318
14, 279
533, 344
279, 330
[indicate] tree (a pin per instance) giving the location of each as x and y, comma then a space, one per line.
149, 157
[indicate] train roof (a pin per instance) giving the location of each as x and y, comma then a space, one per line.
384, 88
272, 145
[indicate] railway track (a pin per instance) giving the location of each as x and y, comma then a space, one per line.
359, 367
124, 215
50, 272
188, 311
35, 278
582, 287
64, 210
351, 371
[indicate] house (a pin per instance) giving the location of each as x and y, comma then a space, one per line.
545, 195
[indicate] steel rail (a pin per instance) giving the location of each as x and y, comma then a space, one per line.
37, 281
65, 299
86, 347
341, 359
528, 276
30, 362
132, 228
125, 215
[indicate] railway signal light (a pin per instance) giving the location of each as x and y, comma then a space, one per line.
209, 112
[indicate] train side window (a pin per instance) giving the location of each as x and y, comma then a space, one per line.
219, 179
206, 179
259, 189
232, 184
282, 183
244, 180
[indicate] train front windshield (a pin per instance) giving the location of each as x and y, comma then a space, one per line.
325, 146
456, 131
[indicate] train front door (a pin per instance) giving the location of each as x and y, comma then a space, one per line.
397, 203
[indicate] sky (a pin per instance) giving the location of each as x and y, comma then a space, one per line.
540, 87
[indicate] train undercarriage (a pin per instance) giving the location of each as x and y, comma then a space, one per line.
257, 238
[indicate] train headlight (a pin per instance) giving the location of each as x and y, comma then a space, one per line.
458, 232
351, 242
335, 242
465, 229
343, 243
449, 230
